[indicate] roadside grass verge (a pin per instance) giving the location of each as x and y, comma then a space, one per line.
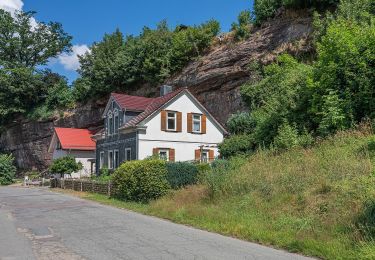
318, 201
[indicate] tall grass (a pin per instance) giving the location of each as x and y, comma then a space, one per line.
318, 201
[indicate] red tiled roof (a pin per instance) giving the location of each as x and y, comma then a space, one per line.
152, 107
75, 139
132, 102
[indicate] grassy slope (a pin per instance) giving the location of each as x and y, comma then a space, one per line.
303, 200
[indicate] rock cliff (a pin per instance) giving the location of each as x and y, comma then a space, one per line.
215, 79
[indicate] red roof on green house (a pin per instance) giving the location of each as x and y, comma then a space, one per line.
75, 139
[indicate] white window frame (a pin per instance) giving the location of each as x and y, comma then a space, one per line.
110, 159
116, 162
126, 154
101, 160
166, 152
196, 120
174, 118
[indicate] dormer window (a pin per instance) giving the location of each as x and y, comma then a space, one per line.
110, 123
116, 121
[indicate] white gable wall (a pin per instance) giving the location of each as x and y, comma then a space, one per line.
183, 142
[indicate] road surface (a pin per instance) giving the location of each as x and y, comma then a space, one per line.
36, 223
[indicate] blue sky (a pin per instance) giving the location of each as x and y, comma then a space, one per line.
88, 20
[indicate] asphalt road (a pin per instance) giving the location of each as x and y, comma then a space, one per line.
40, 224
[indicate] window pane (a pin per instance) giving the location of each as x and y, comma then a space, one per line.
197, 126
128, 154
163, 155
171, 124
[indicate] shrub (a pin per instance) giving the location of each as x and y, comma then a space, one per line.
65, 165
7, 169
104, 175
287, 137
242, 29
236, 145
181, 174
240, 123
141, 180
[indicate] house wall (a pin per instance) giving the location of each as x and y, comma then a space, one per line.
80, 156
116, 142
183, 142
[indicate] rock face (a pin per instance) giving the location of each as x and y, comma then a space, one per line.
215, 79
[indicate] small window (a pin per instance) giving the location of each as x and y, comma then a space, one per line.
164, 154
116, 159
197, 123
101, 160
128, 154
171, 121
110, 159
204, 156
58, 146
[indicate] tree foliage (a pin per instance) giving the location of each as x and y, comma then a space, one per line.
7, 169
118, 62
65, 165
242, 29
25, 45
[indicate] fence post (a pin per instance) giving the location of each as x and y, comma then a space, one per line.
81, 186
109, 189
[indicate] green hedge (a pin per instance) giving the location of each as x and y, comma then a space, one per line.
141, 180
181, 174
7, 169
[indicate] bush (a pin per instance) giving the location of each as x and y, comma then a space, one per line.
141, 180
236, 145
104, 175
65, 165
240, 123
287, 137
181, 174
7, 169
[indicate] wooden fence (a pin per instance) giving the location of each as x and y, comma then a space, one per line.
83, 185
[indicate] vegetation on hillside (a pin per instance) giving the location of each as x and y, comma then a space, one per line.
119, 63
296, 102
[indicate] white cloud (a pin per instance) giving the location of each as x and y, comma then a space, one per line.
70, 60
11, 5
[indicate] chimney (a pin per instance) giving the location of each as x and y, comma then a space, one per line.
165, 89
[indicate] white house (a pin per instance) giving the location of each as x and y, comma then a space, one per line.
76, 143
174, 126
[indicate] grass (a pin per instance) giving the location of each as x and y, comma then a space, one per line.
318, 201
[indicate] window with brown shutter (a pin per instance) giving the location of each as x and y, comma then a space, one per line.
163, 115
172, 155
204, 124
155, 151
179, 122
189, 122
198, 154
211, 155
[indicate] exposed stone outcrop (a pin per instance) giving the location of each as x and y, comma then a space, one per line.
215, 79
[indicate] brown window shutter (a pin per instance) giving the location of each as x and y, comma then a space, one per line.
179, 122
211, 155
189, 122
172, 155
163, 115
204, 127
155, 151
198, 154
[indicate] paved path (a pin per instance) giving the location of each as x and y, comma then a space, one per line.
40, 224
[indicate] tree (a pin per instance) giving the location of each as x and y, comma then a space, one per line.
242, 28
7, 169
26, 44
65, 165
